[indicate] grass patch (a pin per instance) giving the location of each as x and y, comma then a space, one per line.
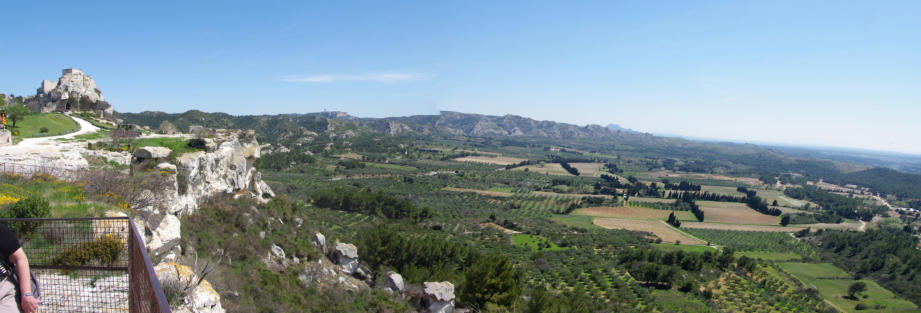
770, 256
502, 189
177, 145
55, 123
685, 248
90, 136
534, 242
832, 283
391, 166
675, 301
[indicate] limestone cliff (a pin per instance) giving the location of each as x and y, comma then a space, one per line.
225, 166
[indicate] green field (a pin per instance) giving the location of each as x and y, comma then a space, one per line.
685, 248
178, 145
534, 242
56, 123
770, 256
832, 283
391, 166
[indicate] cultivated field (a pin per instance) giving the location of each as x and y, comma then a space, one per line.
657, 228
673, 176
734, 212
660, 200
833, 282
587, 169
481, 192
490, 159
723, 226
634, 213
548, 168
571, 195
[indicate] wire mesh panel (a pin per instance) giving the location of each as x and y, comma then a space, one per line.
146, 294
88, 264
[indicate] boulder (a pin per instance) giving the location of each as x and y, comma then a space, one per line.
439, 296
165, 235
143, 153
347, 257
395, 282
320, 241
6, 137
201, 299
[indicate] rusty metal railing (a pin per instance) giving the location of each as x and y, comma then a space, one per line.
90, 265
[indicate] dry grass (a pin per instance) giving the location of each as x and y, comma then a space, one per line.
481, 192
499, 228
657, 228
587, 169
497, 160
737, 227
633, 213
350, 155
734, 212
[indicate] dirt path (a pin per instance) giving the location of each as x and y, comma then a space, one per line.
48, 144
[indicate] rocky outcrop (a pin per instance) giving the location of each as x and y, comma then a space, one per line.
198, 298
152, 153
395, 283
347, 257
74, 91
439, 296
6, 137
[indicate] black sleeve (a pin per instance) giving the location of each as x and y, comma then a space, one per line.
8, 242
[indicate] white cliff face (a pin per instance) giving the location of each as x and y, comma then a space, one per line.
225, 167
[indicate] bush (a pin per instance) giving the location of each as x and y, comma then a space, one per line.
106, 251
860, 306
43, 130
30, 207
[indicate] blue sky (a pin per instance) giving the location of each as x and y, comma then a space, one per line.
831, 73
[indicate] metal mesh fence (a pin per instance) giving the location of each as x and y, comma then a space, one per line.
89, 264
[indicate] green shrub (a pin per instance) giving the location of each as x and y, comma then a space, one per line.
30, 207
105, 250
43, 130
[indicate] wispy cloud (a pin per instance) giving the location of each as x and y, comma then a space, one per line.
386, 77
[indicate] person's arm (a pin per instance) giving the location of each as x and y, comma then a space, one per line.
29, 304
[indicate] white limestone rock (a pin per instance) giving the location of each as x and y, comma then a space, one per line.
152, 153
165, 235
395, 282
347, 257
439, 296
202, 299
320, 241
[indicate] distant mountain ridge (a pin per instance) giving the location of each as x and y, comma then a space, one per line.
447, 122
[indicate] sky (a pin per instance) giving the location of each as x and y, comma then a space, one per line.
827, 73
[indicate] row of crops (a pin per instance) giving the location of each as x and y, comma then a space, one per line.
754, 241
764, 291
652, 205
599, 280
539, 206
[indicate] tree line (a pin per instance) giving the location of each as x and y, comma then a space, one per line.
369, 202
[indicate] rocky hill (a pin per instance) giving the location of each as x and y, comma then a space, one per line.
73, 91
